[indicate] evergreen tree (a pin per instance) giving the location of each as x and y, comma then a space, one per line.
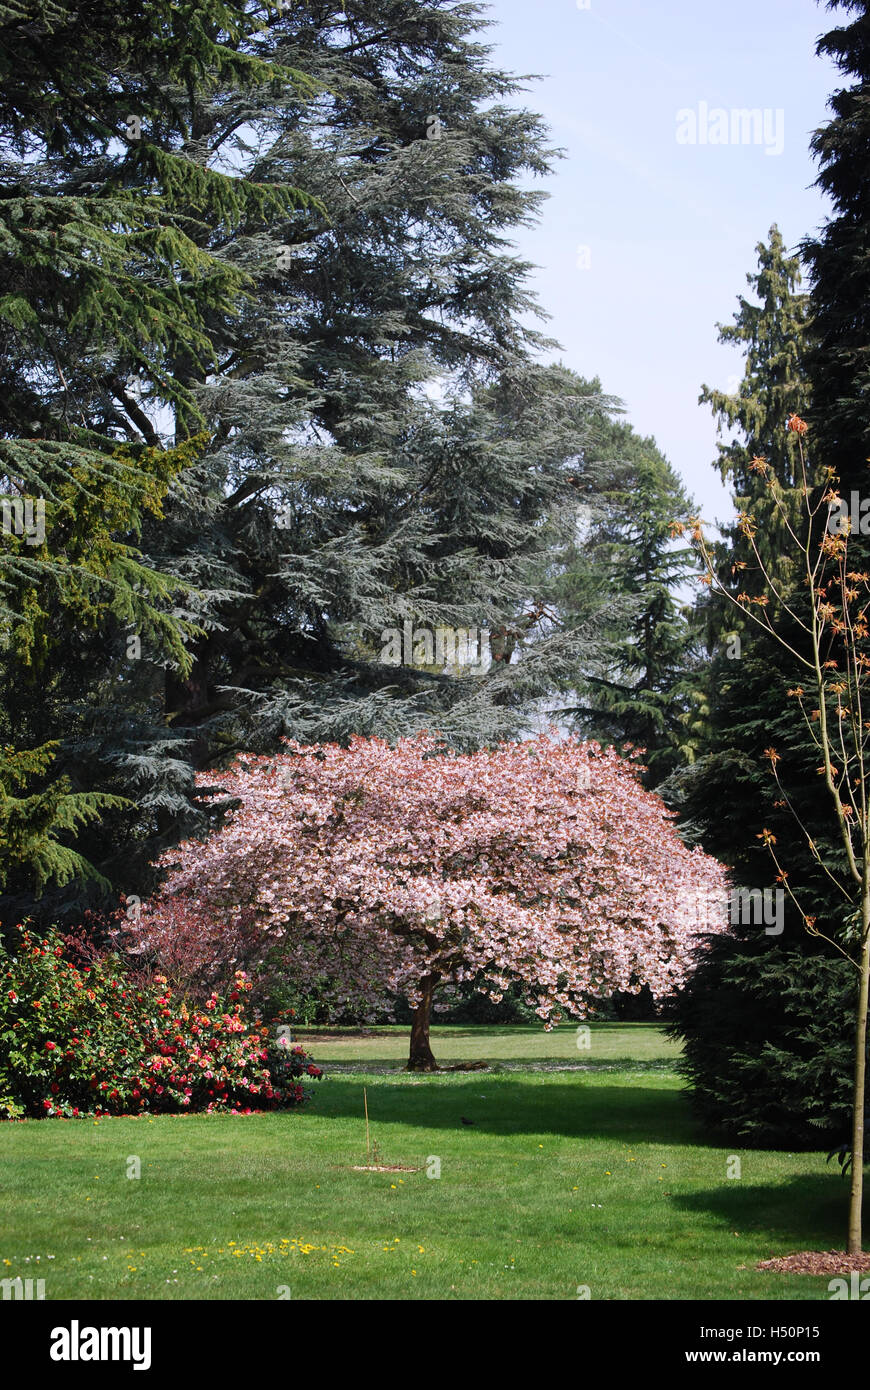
640, 688
728, 797
728, 788
839, 263
103, 276
772, 334
384, 448
767, 1046
381, 447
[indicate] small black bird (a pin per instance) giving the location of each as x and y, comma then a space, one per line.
466, 1122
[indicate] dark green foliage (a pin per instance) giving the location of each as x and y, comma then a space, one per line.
112, 305
728, 796
767, 1028
86, 580
377, 443
767, 1021
839, 259
772, 331
637, 688
33, 826
444, 518
384, 447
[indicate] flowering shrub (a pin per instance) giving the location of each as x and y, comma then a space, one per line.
80, 1040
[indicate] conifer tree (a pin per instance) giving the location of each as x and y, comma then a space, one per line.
639, 688
104, 277
744, 682
729, 797
385, 450
771, 331
839, 262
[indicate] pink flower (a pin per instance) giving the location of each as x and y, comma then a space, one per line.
543, 862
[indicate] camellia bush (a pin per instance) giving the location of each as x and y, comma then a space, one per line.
401, 870
77, 1040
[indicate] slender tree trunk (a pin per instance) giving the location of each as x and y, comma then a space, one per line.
421, 1057
856, 1195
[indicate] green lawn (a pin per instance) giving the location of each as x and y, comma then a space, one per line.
596, 1177
627, 1045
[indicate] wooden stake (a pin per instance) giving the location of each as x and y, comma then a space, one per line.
366, 1104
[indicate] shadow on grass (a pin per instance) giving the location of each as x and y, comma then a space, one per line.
813, 1205
631, 1114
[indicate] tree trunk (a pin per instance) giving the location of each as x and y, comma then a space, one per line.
856, 1195
421, 1058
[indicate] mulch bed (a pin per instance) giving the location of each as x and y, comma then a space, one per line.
818, 1262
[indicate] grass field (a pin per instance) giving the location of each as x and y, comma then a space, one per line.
594, 1177
627, 1045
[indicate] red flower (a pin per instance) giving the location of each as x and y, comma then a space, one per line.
50, 1046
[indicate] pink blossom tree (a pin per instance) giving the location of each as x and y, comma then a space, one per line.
402, 870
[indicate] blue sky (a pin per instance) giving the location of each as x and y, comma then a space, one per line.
671, 228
